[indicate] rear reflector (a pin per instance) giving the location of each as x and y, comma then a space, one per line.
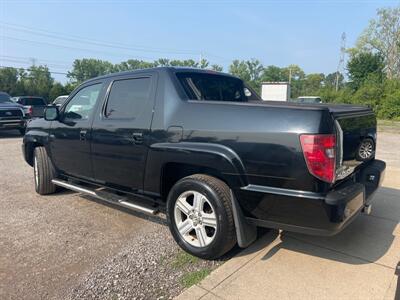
320, 155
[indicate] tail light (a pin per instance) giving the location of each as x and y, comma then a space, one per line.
29, 110
320, 155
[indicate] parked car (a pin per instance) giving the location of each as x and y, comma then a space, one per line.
202, 147
12, 115
34, 106
60, 100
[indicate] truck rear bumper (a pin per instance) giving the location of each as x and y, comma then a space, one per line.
313, 213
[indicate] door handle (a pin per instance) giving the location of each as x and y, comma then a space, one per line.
137, 137
82, 135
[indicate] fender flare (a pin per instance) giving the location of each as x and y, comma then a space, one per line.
210, 155
215, 156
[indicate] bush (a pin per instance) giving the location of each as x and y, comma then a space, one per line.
382, 97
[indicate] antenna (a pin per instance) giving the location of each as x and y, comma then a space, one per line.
340, 67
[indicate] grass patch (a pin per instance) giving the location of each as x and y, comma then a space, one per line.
183, 259
388, 125
191, 278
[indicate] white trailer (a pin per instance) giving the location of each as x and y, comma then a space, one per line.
275, 91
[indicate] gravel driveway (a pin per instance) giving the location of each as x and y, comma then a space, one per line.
69, 246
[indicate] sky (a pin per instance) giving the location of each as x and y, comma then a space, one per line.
306, 33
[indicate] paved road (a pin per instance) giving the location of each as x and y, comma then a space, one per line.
46, 243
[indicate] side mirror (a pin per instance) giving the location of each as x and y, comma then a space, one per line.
51, 113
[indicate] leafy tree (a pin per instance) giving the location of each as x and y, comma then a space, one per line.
57, 90
239, 69
364, 65
295, 75
38, 81
217, 68
84, 69
312, 84
330, 80
250, 71
133, 64
273, 74
9, 80
382, 36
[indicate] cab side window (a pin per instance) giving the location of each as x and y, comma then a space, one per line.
127, 97
82, 104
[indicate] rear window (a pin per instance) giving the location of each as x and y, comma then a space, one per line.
214, 87
127, 98
32, 101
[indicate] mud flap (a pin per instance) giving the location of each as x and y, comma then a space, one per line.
245, 232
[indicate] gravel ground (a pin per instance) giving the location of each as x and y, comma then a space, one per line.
69, 246
144, 269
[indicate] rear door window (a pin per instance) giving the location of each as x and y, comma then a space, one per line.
127, 98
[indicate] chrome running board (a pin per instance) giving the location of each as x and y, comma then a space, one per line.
106, 196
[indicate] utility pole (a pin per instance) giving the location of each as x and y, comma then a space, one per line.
33, 61
341, 59
290, 75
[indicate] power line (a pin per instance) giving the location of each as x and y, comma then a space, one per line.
32, 61
71, 47
30, 69
95, 42
121, 46
40, 59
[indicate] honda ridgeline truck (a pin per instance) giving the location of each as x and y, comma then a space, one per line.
203, 148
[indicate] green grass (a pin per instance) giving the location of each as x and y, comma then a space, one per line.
183, 259
191, 278
388, 125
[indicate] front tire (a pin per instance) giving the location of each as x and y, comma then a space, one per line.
44, 172
199, 213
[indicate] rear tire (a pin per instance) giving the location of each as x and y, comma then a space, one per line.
44, 172
22, 131
200, 206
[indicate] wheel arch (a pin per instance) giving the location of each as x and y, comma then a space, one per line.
169, 162
30, 142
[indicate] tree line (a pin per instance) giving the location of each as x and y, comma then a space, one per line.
372, 73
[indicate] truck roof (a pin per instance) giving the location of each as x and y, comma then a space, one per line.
161, 69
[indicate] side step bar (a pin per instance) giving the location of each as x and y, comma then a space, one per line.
105, 196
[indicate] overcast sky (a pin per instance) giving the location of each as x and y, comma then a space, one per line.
279, 33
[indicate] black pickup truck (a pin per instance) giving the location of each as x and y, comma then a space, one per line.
202, 147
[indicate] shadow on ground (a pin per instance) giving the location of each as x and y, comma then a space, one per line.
6, 134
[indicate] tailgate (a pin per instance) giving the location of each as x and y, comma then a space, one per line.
356, 134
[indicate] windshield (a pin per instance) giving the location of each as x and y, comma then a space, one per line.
215, 87
60, 100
